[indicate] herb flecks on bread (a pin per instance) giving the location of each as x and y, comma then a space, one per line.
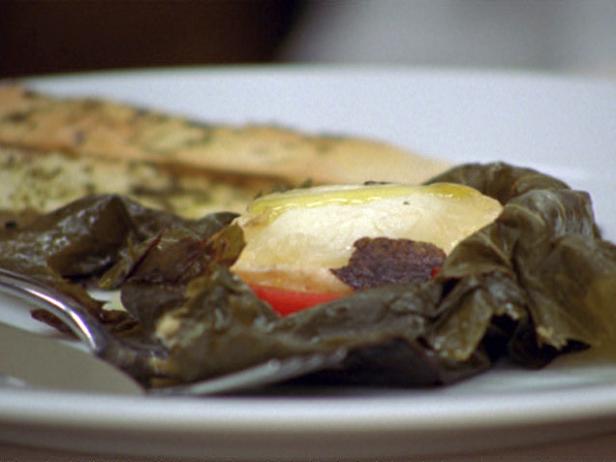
42, 181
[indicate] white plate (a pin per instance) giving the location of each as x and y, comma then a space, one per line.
566, 127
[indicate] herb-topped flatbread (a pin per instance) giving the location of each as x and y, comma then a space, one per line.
33, 181
97, 128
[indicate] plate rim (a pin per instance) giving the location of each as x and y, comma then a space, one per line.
17, 407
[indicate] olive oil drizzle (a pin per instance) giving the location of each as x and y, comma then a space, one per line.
272, 205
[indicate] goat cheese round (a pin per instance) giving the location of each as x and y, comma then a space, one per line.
294, 238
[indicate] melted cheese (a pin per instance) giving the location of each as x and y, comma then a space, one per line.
293, 239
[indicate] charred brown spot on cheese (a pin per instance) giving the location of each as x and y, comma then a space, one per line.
383, 261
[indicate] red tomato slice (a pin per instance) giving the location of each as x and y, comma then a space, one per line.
290, 301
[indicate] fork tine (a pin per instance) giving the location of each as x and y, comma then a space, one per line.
81, 323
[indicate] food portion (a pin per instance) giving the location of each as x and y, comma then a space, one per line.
415, 285
532, 281
296, 240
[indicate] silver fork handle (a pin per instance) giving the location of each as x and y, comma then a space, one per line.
71, 313
139, 362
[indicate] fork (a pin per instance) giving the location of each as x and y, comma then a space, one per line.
137, 361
